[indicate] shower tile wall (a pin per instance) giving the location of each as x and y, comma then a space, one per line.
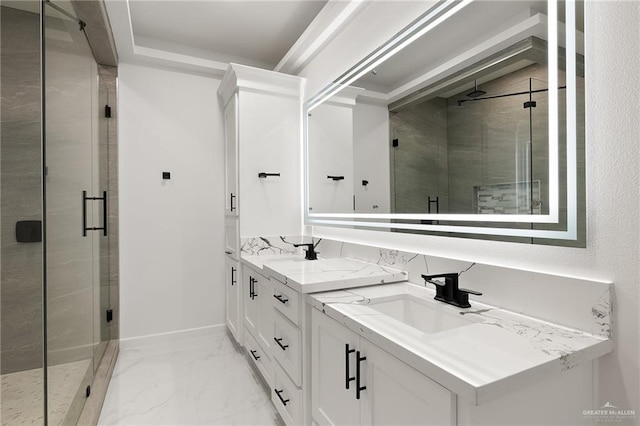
20, 191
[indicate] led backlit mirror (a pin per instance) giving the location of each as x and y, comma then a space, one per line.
470, 122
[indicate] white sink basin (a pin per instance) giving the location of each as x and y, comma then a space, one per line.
425, 315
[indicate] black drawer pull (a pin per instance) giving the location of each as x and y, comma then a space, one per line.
278, 340
280, 298
347, 352
252, 288
231, 207
358, 387
253, 354
233, 272
278, 392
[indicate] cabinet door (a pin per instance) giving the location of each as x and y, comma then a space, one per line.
399, 395
264, 296
331, 365
232, 300
231, 156
232, 237
251, 301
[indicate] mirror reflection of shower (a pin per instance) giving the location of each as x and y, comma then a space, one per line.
480, 147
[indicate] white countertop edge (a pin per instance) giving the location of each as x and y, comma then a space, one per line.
257, 261
341, 284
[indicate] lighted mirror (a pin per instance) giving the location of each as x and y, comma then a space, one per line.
469, 122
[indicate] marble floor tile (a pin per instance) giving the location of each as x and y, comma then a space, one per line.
198, 382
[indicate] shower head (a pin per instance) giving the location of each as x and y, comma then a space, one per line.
476, 93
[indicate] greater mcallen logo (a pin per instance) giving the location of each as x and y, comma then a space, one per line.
610, 413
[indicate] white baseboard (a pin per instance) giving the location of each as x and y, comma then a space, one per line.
169, 339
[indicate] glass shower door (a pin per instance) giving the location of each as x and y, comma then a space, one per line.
70, 80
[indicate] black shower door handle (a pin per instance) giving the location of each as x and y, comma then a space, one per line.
84, 214
104, 213
103, 228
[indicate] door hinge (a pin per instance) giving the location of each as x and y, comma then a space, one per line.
529, 104
109, 315
107, 111
88, 391
394, 143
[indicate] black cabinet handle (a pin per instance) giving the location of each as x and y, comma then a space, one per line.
278, 340
335, 177
252, 288
280, 298
253, 354
278, 392
233, 279
347, 352
358, 387
231, 207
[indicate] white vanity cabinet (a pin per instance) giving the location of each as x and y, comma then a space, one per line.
232, 296
390, 391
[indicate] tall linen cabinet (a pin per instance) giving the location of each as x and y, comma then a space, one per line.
263, 171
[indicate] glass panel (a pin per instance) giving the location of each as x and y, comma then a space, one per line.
101, 296
70, 123
21, 283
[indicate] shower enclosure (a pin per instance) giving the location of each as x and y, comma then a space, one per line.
57, 254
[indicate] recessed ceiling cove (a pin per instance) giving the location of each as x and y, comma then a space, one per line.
257, 33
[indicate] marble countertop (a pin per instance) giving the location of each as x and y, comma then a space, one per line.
258, 261
309, 276
497, 353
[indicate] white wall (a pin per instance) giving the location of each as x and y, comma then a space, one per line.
171, 233
613, 196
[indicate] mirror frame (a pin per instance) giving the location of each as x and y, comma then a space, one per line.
500, 223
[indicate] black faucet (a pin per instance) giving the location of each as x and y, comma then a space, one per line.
449, 292
311, 253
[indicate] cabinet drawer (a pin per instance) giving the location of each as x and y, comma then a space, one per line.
287, 301
232, 237
286, 397
287, 347
259, 357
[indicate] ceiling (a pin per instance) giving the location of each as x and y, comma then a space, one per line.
257, 33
